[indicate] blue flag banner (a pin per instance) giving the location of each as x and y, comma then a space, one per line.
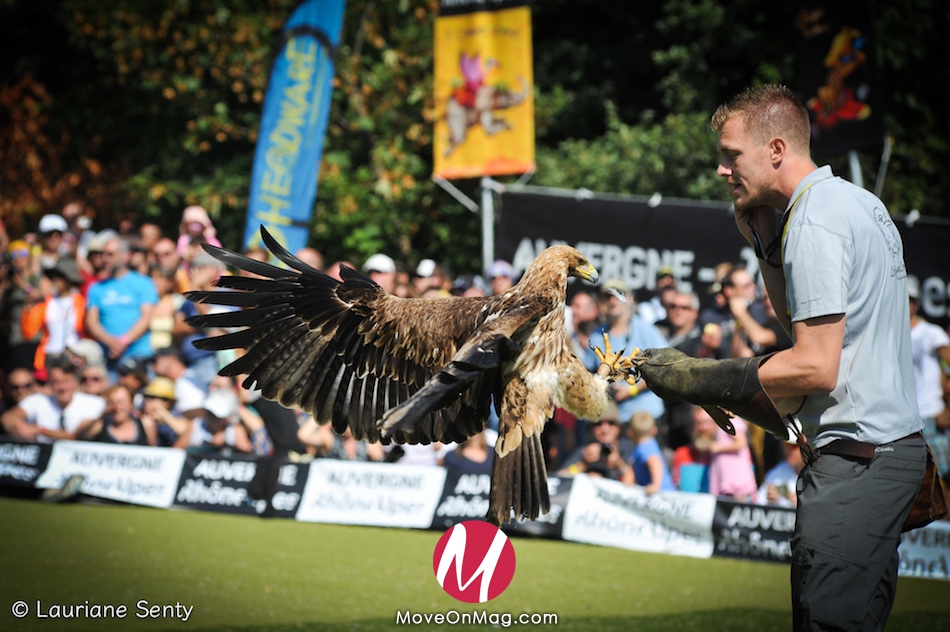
294, 122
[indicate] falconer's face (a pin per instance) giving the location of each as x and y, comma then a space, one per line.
745, 164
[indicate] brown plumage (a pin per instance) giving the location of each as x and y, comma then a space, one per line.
415, 370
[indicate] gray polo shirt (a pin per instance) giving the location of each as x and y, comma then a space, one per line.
843, 255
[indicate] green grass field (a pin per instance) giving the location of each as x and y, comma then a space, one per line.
241, 573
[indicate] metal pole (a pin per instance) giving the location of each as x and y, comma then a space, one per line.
856, 176
488, 225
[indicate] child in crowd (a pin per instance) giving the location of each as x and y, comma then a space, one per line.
648, 469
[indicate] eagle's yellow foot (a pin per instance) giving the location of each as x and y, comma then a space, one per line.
612, 364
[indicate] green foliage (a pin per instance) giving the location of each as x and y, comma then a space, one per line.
140, 108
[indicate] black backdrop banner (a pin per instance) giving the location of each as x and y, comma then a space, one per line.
631, 237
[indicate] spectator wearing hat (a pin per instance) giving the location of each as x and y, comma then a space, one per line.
119, 308
382, 270
501, 277
653, 308
627, 331
133, 374
50, 232
45, 417
158, 407
20, 288
58, 320
120, 422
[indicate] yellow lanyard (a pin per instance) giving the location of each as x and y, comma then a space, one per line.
788, 218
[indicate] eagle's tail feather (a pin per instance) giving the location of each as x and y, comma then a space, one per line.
519, 482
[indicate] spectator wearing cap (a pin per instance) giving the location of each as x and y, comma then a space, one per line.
382, 270
50, 231
119, 308
654, 309
501, 276
133, 374
45, 417
86, 352
429, 275
158, 408
58, 320
20, 288
627, 331
218, 428
189, 394
469, 285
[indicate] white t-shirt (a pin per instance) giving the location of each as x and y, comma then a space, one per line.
44, 411
188, 396
925, 339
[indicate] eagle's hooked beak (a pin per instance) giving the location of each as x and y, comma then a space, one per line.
587, 272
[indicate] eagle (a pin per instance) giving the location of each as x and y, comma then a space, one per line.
415, 370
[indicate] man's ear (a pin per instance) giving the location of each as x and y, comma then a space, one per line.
778, 149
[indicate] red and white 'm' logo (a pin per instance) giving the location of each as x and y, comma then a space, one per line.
474, 561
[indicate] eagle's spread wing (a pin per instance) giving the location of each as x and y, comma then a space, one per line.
412, 370
348, 352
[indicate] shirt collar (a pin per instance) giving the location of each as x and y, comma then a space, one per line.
821, 173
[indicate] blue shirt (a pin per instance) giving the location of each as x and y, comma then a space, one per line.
120, 301
638, 459
640, 334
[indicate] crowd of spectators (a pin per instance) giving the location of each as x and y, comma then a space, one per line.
95, 345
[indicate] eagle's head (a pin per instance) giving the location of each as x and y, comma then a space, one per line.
560, 262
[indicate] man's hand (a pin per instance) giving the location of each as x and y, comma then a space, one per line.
764, 219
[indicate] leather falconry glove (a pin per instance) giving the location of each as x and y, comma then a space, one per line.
724, 388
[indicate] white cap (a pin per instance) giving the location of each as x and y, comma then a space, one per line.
426, 268
221, 403
49, 223
379, 263
89, 350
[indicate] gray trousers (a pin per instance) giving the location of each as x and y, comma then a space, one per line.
847, 530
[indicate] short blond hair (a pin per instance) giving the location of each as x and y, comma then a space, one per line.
642, 424
769, 111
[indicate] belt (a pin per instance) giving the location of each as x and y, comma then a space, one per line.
856, 449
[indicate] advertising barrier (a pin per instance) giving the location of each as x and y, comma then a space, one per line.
583, 509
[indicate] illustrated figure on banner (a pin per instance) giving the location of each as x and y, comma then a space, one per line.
474, 101
836, 102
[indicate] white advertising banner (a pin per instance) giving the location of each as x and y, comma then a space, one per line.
132, 474
609, 513
378, 494
926, 552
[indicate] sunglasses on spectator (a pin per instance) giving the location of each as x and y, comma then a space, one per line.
21, 387
92, 378
52, 233
680, 306
606, 421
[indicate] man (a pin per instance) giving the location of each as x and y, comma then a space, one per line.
930, 345
739, 307
19, 384
501, 277
627, 331
606, 454
120, 308
44, 418
833, 264
381, 269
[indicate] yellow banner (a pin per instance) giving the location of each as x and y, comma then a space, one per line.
483, 93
